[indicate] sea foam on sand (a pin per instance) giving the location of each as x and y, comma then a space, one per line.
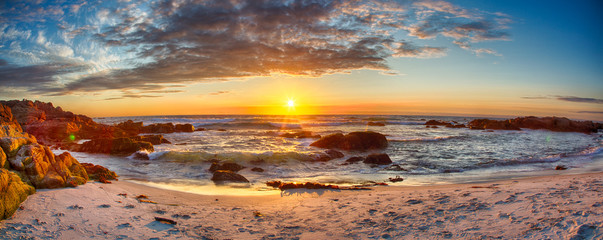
555, 207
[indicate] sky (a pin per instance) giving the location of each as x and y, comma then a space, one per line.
181, 57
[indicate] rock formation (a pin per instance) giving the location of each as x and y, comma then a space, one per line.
557, 124
354, 141
13, 192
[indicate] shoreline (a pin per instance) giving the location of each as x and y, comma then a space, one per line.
557, 207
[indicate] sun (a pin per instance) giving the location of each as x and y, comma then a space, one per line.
290, 103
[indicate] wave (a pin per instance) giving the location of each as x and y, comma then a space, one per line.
424, 139
239, 157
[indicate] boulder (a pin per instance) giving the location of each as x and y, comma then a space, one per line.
7, 118
334, 154
556, 124
221, 176
52, 131
159, 128
3, 160
11, 145
233, 167
184, 128
117, 146
257, 169
395, 168
356, 141
130, 127
436, 123
43, 169
99, 173
13, 191
379, 159
481, 124
141, 155
153, 139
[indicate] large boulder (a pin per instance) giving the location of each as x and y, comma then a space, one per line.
356, 141
228, 166
13, 191
11, 145
159, 128
52, 131
153, 139
43, 169
492, 124
221, 176
130, 127
184, 128
99, 173
116, 146
556, 124
379, 159
3, 160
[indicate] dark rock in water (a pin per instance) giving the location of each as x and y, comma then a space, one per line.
165, 220
200, 129
117, 146
140, 155
395, 167
379, 159
300, 134
557, 124
228, 176
307, 185
456, 126
396, 179
159, 128
153, 139
221, 130
233, 167
334, 154
358, 141
560, 167
99, 173
184, 128
257, 169
130, 127
13, 191
378, 124
354, 159
321, 157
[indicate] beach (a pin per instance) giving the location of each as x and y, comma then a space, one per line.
551, 207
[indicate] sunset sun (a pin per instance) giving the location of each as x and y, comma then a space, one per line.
290, 103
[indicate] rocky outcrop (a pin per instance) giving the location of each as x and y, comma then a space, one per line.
233, 167
99, 173
354, 141
116, 146
377, 124
42, 169
222, 176
557, 124
184, 128
13, 191
379, 159
435, 123
153, 139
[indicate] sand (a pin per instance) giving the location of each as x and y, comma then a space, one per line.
555, 207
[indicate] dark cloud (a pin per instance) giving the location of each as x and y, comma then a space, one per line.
579, 99
593, 112
35, 76
569, 99
190, 41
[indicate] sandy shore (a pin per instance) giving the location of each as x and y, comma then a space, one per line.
556, 207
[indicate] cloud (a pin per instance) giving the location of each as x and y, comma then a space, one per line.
219, 93
592, 112
579, 99
569, 99
180, 42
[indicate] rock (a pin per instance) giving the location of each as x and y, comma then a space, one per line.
159, 128
141, 155
52, 131
3, 160
200, 129
233, 167
560, 167
436, 123
357, 141
396, 179
99, 173
456, 126
228, 176
13, 191
184, 128
556, 124
333, 154
45, 170
300, 134
395, 167
7, 118
354, 159
379, 159
117, 146
378, 124
257, 169
11, 145
153, 139
130, 127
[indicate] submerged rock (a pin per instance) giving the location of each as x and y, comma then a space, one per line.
221, 176
378, 124
13, 191
117, 146
233, 167
357, 141
300, 134
379, 159
354, 159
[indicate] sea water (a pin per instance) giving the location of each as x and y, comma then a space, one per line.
429, 155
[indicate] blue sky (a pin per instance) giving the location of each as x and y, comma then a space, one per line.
508, 58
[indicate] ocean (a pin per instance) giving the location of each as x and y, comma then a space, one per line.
430, 155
